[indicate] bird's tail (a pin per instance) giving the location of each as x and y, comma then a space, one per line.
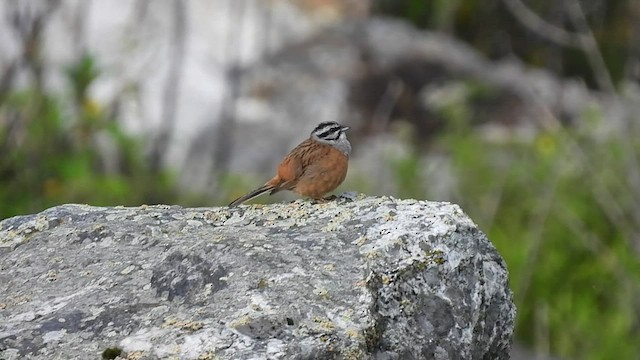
253, 194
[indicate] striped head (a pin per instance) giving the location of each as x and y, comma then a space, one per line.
334, 134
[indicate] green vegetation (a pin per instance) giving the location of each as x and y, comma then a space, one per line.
575, 277
560, 209
51, 152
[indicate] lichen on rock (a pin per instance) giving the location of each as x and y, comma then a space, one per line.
355, 278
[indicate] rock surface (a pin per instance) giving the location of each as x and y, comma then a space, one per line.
355, 278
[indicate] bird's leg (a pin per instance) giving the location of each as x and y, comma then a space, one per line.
330, 198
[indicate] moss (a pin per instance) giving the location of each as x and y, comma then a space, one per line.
435, 256
111, 353
263, 283
372, 336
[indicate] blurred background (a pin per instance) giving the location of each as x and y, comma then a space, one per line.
524, 112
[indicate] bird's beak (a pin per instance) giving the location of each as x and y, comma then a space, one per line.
345, 128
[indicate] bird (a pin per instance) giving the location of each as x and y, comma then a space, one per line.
312, 169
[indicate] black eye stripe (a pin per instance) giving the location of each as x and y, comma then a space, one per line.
332, 130
332, 136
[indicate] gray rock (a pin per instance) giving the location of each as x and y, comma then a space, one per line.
356, 278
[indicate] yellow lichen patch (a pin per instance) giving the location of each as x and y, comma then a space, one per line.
338, 220
354, 353
208, 356
324, 323
271, 217
190, 325
386, 279
407, 306
321, 292
373, 254
214, 217
331, 226
136, 355
217, 238
347, 314
354, 334
360, 241
42, 223
208, 290
187, 325
325, 338
52, 275
169, 322
57, 259
19, 300
242, 321
329, 267
8, 235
